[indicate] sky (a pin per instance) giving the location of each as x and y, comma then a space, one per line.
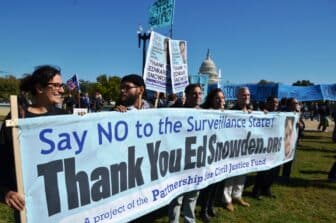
249, 40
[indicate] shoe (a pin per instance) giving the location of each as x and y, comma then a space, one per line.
269, 193
229, 207
332, 179
205, 218
242, 202
211, 212
256, 195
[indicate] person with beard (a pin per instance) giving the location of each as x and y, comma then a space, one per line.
132, 92
187, 200
292, 106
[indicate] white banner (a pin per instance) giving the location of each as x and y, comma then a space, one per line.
115, 167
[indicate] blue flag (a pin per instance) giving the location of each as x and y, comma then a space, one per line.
73, 83
161, 13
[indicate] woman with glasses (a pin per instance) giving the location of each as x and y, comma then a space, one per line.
46, 88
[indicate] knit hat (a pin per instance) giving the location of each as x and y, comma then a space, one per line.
135, 79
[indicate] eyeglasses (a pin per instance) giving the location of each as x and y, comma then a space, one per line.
56, 85
127, 87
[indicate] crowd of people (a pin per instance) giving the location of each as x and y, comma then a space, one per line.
46, 88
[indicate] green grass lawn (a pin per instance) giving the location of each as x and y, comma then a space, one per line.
308, 197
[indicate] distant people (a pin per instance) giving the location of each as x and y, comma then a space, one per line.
182, 46
234, 186
46, 88
98, 102
85, 101
265, 179
70, 103
171, 100
283, 104
324, 112
314, 111
179, 102
160, 100
132, 94
214, 100
187, 200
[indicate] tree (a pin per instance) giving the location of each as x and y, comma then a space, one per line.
303, 83
87, 86
108, 87
265, 82
9, 85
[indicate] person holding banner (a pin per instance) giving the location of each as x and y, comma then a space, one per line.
265, 179
234, 187
188, 200
46, 88
214, 100
292, 106
132, 91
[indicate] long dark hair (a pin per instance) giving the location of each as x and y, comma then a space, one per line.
208, 103
41, 75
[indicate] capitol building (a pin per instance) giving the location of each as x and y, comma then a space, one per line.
208, 67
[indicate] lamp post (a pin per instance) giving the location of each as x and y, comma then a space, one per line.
143, 36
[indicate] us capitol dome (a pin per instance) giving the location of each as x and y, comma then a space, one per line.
208, 67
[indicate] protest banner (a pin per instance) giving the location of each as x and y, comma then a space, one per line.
328, 91
115, 167
301, 93
260, 92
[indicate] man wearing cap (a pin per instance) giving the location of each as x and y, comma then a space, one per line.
132, 91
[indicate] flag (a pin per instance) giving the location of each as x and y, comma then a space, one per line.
161, 13
73, 83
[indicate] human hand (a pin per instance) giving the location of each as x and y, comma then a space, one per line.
15, 200
120, 108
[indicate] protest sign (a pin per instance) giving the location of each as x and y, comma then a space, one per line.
179, 65
157, 67
115, 167
161, 13
166, 68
